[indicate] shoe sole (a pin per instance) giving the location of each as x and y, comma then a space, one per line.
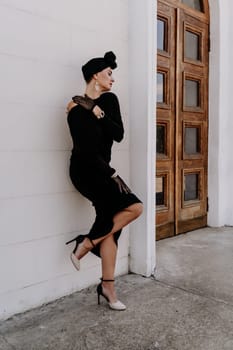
75, 261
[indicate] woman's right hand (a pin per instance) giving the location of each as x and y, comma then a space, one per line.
97, 111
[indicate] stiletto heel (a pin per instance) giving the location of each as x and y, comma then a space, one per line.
118, 305
72, 240
79, 239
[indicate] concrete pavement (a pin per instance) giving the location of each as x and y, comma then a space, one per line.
187, 306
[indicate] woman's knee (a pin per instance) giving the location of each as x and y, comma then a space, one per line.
137, 209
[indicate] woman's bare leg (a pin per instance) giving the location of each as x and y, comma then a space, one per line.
108, 253
120, 220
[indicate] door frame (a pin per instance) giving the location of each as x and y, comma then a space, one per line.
142, 86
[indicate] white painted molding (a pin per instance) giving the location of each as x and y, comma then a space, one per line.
142, 68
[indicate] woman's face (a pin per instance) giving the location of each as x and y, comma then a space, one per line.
105, 79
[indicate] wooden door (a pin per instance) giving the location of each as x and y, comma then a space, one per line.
182, 116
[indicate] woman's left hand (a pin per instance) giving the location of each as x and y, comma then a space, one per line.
85, 101
89, 104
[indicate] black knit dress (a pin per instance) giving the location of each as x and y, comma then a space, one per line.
90, 171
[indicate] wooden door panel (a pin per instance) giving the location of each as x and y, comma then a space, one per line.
165, 124
191, 111
182, 118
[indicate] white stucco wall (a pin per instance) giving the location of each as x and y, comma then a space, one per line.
220, 115
42, 47
226, 114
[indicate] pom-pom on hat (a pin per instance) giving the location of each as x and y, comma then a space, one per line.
97, 64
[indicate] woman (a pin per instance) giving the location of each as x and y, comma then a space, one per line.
95, 122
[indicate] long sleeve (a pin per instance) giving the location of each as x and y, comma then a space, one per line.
87, 141
112, 121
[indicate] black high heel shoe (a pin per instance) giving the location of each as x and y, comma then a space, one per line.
79, 239
117, 305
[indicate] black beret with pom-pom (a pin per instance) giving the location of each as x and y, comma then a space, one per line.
97, 64
110, 59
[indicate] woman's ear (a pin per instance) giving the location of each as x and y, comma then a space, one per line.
95, 76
